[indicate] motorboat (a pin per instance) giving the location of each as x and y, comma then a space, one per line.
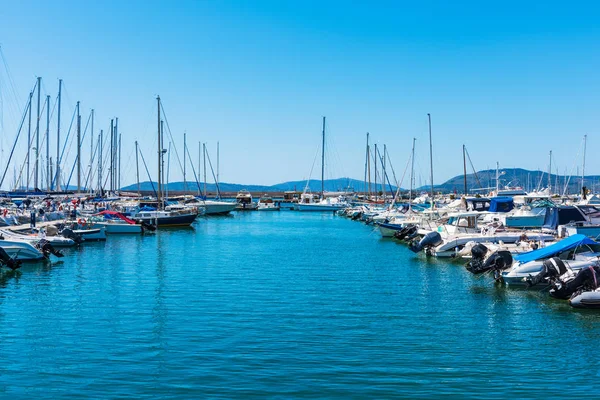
266, 203
114, 222
244, 201
576, 252
217, 207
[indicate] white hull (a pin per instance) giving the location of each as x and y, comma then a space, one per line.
452, 246
517, 274
91, 235
218, 207
320, 207
117, 228
21, 250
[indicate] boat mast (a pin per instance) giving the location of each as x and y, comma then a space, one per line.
159, 155
204, 158
100, 161
217, 182
383, 173
112, 137
162, 158
37, 137
323, 163
550, 175
412, 174
465, 169
119, 170
431, 161
375, 165
137, 168
29, 140
199, 164
116, 154
366, 166
583, 169
48, 174
58, 138
78, 150
91, 152
184, 162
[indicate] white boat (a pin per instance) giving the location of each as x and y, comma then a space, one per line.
21, 250
576, 252
327, 204
55, 241
216, 207
244, 201
114, 223
266, 203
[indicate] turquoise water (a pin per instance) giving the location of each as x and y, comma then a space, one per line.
281, 304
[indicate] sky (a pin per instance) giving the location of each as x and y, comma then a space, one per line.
510, 80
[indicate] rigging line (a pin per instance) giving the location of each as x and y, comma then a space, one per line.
213, 174
385, 175
572, 168
92, 169
77, 157
9, 76
171, 136
16, 140
473, 168
399, 188
389, 160
148, 172
186, 149
307, 187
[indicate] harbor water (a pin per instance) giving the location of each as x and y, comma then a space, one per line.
287, 305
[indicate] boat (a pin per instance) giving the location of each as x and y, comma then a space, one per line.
575, 252
114, 222
244, 201
266, 203
586, 299
21, 250
217, 207
307, 202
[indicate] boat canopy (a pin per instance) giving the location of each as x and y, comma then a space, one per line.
545, 252
147, 208
114, 214
501, 204
556, 216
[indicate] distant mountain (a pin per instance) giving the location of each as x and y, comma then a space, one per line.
331, 185
485, 181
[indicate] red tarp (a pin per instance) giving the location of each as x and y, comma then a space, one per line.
118, 215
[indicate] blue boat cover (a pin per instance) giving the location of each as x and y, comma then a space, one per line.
501, 204
148, 208
556, 216
545, 252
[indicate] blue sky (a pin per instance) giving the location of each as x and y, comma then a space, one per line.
510, 80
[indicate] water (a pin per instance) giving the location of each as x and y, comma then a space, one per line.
281, 304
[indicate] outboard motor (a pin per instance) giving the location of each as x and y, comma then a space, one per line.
587, 279
69, 234
405, 232
551, 268
46, 248
496, 262
478, 252
428, 241
148, 226
5, 260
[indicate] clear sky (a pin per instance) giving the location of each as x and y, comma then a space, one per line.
511, 80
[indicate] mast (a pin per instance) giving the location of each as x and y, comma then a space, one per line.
29, 139
100, 160
58, 138
119, 175
110, 167
48, 173
375, 165
323, 163
91, 152
465, 169
168, 170
366, 164
162, 157
137, 168
497, 177
217, 183
583, 170
199, 164
383, 173
37, 137
204, 158
412, 174
550, 174
158, 193
78, 150
184, 162
431, 160
116, 154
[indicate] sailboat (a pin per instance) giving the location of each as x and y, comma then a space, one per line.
161, 217
307, 200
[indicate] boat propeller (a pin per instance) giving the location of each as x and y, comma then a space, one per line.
46, 248
7, 261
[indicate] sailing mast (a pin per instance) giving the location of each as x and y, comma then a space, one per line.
184, 162
465, 169
431, 161
48, 174
375, 165
137, 168
58, 138
366, 164
204, 158
37, 137
158, 193
29, 140
583, 169
78, 150
91, 152
550, 175
412, 175
323, 163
